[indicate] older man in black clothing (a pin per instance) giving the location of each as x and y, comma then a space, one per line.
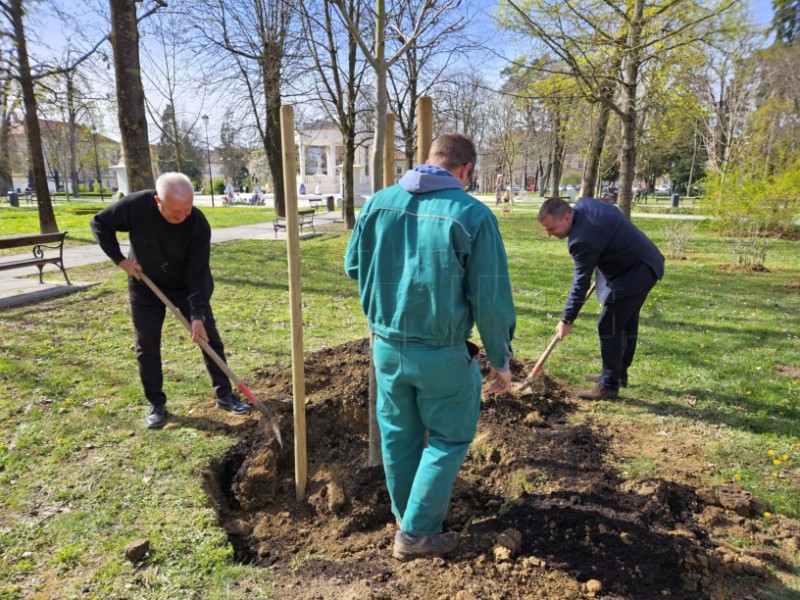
170, 242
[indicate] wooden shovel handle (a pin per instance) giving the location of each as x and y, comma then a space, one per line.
203, 344
553, 342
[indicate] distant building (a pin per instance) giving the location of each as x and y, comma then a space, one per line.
320, 152
92, 151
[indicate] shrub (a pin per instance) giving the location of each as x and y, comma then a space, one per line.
751, 208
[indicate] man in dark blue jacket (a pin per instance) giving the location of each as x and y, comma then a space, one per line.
628, 265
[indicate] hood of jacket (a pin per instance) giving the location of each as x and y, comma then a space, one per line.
427, 178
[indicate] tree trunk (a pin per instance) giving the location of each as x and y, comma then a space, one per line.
130, 95
73, 135
176, 136
272, 130
47, 218
630, 75
349, 141
558, 152
380, 96
543, 181
592, 170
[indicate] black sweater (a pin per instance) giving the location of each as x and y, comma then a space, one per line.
175, 257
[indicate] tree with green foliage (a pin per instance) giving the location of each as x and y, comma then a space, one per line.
233, 155
786, 21
605, 44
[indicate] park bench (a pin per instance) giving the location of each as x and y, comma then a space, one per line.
47, 248
315, 203
304, 217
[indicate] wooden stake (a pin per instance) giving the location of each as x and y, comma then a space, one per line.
295, 297
388, 152
424, 128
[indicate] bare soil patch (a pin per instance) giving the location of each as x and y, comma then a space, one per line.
792, 286
790, 371
744, 268
538, 467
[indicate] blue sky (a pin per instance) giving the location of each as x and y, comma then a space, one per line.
54, 32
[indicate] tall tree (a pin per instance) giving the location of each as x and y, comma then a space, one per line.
631, 34
14, 12
338, 82
233, 154
130, 91
786, 20
429, 13
9, 102
420, 66
171, 69
178, 148
254, 38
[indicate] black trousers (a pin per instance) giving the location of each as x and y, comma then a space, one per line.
618, 326
148, 319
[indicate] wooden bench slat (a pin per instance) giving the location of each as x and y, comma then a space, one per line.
30, 239
15, 264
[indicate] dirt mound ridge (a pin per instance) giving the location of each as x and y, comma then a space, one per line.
536, 467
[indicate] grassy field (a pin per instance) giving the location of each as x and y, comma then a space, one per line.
80, 478
25, 219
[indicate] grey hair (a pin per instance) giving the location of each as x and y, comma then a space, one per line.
174, 185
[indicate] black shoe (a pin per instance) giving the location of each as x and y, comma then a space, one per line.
623, 381
156, 417
599, 392
232, 404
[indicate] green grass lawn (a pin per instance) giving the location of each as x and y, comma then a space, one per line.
25, 219
80, 478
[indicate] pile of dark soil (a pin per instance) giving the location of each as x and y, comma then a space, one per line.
542, 514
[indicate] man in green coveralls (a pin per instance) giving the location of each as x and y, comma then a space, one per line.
430, 263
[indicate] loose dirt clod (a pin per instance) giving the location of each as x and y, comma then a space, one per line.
540, 511
137, 550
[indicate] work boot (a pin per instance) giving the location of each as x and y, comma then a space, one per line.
156, 417
623, 381
232, 404
409, 547
599, 392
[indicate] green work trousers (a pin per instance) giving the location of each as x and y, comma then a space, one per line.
424, 388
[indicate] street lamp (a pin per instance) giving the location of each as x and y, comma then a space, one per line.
97, 163
208, 155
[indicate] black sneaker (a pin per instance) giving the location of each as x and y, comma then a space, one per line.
232, 404
156, 417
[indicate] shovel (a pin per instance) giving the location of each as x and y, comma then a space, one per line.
540, 363
272, 420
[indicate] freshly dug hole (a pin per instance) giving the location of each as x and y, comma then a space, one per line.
532, 469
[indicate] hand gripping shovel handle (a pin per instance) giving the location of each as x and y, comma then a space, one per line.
273, 421
553, 342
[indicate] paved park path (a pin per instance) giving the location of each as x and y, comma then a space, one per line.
21, 286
